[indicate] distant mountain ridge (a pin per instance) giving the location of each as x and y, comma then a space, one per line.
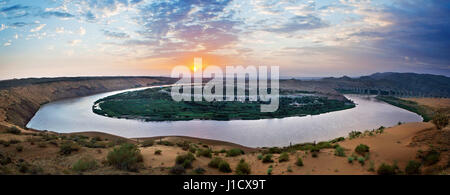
401, 84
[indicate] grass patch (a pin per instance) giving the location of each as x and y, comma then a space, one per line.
267, 158
84, 164
125, 157
234, 152
284, 157
299, 162
185, 160
362, 149
339, 151
413, 168
68, 147
243, 168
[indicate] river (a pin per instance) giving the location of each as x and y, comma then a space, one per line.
75, 115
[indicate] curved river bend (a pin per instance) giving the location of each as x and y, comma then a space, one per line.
75, 115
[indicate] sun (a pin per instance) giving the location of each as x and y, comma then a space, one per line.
194, 68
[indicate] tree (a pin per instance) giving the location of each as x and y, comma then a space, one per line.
440, 120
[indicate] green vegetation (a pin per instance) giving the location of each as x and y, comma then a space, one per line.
283, 157
147, 143
269, 171
361, 160
68, 147
156, 104
199, 171
214, 163
125, 157
204, 153
243, 168
339, 151
430, 157
350, 159
13, 130
185, 160
362, 149
413, 168
386, 169
440, 120
84, 164
177, 170
158, 152
224, 167
424, 111
299, 162
234, 152
260, 156
19, 148
267, 158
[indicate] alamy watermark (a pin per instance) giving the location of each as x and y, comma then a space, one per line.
235, 80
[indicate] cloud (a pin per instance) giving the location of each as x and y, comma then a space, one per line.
419, 29
298, 23
116, 35
74, 42
15, 11
82, 31
3, 27
187, 26
8, 43
57, 14
38, 28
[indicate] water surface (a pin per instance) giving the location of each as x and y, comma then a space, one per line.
75, 115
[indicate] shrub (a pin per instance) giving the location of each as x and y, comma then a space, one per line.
19, 148
371, 166
386, 169
440, 120
214, 163
158, 152
267, 158
147, 143
14, 141
125, 157
166, 143
362, 149
68, 147
260, 156
224, 167
204, 152
243, 168
361, 160
315, 151
339, 139
339, 151
177, 170
299, 162
269, 171
84, 164
413, 168
430, 157
13, 130
234, 152
283, 157
354, 134
274, 150
350, 159
185, 160
199, 171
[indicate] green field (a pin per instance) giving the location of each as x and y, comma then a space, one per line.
425, 112
156, 104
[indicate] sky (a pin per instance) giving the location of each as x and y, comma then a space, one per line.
306, 38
